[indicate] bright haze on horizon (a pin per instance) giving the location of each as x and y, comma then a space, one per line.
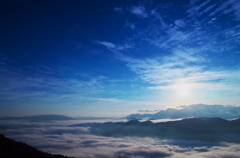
113, 58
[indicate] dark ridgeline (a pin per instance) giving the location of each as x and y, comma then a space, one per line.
51, 117
12, 149
204, 129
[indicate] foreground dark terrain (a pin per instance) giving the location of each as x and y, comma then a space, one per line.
12, 149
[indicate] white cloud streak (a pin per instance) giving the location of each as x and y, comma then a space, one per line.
112, 46
187, 53
175, 68
45, 89
139, 11
217, 9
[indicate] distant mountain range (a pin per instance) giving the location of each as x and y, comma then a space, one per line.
204, 129
12, 149
51, 117
197, 110
94, 118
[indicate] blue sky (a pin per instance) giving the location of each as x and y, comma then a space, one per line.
112, 58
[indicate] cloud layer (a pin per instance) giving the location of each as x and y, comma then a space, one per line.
59, 137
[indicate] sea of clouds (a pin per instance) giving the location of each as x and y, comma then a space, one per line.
59, 137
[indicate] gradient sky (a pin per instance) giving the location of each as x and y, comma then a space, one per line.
115, 57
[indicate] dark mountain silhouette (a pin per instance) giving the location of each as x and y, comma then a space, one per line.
197, 110
94, 118
51, 117
204, 129
12, 149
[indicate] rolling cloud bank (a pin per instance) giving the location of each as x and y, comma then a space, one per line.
187, 138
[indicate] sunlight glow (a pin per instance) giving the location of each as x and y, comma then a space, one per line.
183, 89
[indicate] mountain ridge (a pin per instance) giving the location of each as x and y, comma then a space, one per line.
204, 129
53, 117
196, 110
50, 117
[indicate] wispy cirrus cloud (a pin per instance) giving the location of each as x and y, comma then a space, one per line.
130, 25
113, 47
139, 11
4, 59
118, 9
190, 49
49, 84
214, 9
42, 88
166, 73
